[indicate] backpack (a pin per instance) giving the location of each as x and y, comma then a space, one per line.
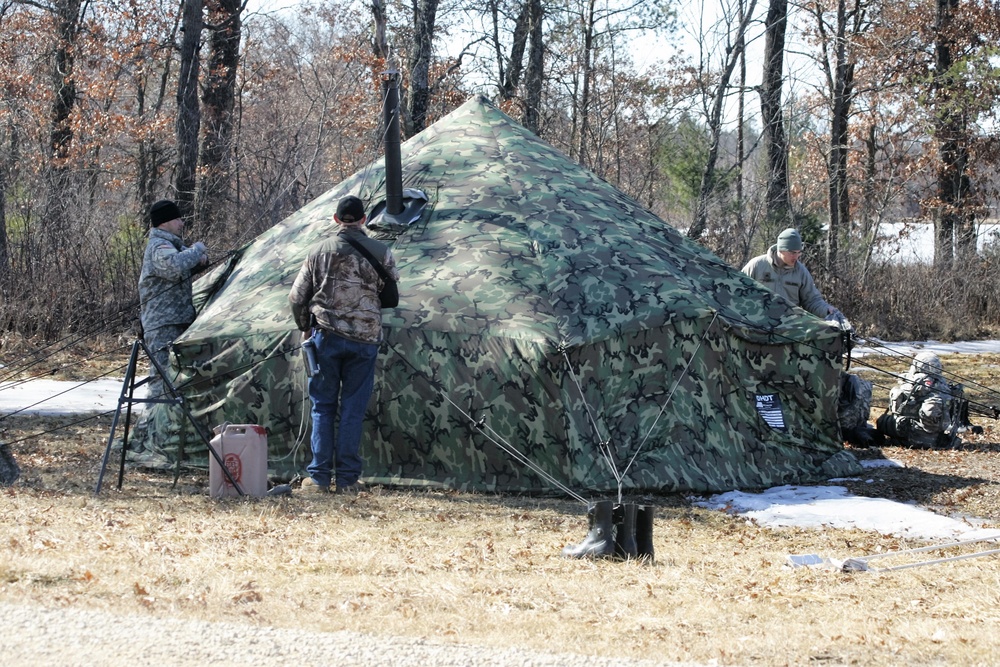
855, 403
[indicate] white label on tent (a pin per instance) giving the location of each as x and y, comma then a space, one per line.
769, 408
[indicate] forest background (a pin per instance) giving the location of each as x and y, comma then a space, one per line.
885, 125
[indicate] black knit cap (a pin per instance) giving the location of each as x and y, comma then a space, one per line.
350, 209
163, 211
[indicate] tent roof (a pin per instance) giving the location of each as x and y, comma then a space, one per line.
517, 241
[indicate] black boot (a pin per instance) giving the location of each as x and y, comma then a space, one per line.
625, 545
644, 532
599, 542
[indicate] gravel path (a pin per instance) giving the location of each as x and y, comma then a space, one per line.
68, 637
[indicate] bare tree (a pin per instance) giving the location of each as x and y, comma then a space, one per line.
219, 100
838, 62
534, 72
68, 14
952, 132
188, 123
778, 207
734, 52
511, 66
424, 17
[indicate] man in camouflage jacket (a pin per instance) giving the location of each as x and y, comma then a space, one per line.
166, 308
781, 271
335, 302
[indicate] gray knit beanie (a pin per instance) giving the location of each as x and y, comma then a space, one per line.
789, 240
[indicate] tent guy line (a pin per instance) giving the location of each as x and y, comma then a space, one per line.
666, 402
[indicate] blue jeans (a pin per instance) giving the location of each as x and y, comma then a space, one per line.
343, 385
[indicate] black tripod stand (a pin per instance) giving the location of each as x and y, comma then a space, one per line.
127, 398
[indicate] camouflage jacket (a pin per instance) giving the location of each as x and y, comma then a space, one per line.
165, 281
795, 283
925, 398
339, 287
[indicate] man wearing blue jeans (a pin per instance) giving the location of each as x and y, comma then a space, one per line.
335, 300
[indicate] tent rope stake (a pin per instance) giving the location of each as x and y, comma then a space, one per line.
860, 563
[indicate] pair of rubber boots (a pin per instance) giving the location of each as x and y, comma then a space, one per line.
623, 532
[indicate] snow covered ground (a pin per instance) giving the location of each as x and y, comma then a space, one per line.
814, 506
58, 398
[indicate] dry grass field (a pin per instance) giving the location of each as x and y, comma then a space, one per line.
487, 570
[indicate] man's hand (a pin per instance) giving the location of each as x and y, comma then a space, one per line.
200, 247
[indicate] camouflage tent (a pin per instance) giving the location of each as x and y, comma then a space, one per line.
552, 333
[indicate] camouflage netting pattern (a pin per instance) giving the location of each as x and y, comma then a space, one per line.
552, 335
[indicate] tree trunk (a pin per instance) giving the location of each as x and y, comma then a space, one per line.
219, 102
841, 100
64, 84
533, 76
778, 208
188, 123
741, 121
424, 15
4, 243
585, 75
380, 44
952, 214
510, 76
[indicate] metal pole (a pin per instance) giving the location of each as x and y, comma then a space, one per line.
393, 159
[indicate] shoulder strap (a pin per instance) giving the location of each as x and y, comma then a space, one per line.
377, 265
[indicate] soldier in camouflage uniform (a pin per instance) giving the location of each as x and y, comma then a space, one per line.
166, 308
781, 271
335, 300
924, 410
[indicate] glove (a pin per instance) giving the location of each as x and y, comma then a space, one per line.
200, 247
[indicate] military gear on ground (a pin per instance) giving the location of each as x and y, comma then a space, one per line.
623, 531
644, 532
854, 411
625, 544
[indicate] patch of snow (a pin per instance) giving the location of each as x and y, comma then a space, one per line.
59, 398
835, 507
